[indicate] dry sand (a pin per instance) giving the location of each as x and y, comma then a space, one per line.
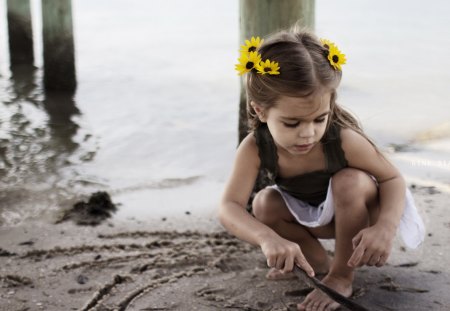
195, 265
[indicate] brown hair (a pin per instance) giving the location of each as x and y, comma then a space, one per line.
304, 69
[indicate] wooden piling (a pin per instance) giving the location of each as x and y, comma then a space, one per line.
20, 32
58, 45
262, 17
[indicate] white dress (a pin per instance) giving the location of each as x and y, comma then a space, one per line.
411, 228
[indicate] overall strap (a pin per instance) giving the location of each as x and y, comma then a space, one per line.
267, 151
334, 153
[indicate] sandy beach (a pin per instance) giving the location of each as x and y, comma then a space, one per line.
156, 128
190, 263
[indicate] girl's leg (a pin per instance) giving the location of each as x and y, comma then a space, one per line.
355, 197
270, 208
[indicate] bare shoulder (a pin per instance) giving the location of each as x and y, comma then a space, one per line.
243, 175
248, 150
356, 146
248, 144
352, 140
362, 154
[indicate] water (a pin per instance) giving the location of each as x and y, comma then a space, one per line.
154, 118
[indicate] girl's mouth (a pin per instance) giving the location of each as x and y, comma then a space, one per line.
302, 147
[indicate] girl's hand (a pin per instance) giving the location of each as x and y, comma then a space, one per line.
372, 246
283, 254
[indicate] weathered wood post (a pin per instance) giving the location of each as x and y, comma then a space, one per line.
20, 32
262, 17
59, 57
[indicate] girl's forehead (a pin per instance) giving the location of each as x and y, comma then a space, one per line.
309, 106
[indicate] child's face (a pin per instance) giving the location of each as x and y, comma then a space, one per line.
298, 123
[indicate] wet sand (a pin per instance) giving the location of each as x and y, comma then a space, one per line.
195, 265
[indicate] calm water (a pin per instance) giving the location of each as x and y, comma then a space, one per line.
154, 117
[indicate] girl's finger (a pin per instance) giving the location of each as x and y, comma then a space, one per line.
288, 264
271, 262
383, 260
374, 259
356, 256
356, 240
380, 262
366, 257
280, 263
301, 262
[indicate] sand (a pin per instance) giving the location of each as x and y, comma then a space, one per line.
195, 265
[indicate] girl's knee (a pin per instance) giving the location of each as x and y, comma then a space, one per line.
267, 205
353, 186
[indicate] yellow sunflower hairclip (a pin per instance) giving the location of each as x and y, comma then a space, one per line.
247, 62
251, 45
335, 56
251, 60
268, 67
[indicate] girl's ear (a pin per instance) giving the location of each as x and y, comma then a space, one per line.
260, 111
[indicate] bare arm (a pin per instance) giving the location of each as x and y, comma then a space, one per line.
235, 218
362, 155
232, 213
378, 238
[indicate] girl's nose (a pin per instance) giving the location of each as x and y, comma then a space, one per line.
306, 130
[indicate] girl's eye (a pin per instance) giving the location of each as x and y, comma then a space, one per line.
291, 124
298, 123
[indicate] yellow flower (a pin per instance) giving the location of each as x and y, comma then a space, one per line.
251, 45
247, 62
336, 57
326, 43
268, 67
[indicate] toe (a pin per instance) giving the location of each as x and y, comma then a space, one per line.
333, 306
311, 306
304, 304
323, 306
315, 305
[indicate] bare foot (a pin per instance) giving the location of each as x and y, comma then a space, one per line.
318, 301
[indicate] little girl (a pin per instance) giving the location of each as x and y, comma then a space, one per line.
329, 179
